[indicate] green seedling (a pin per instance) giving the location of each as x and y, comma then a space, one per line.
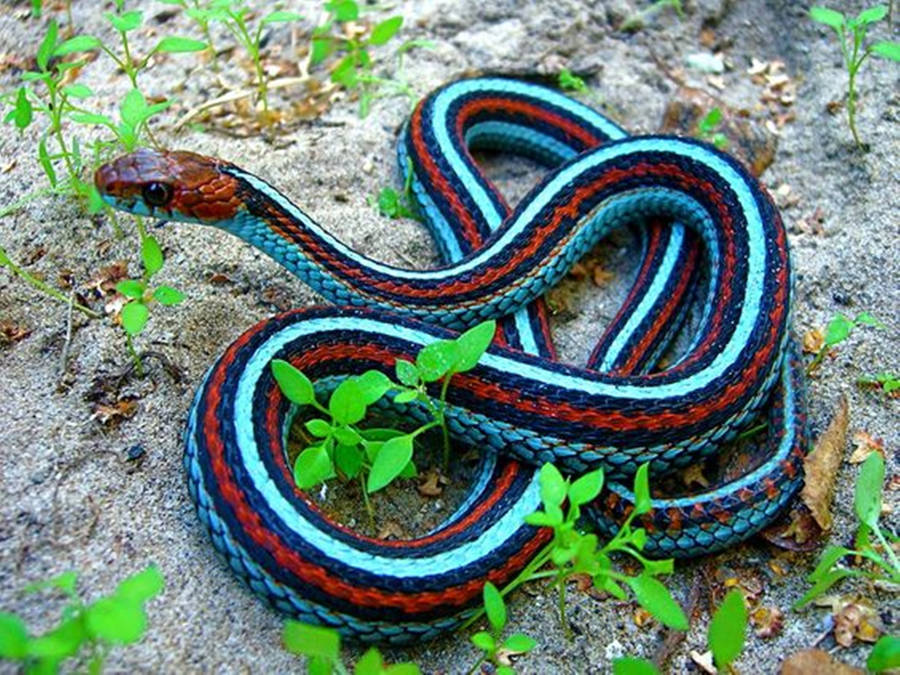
237, 17
354, 71
29, 278
885, 655
572, 551
141, 296
322, 649
851, 35
568, 81
839, 329
86, 631
883, 563
637, 20
496, 649
889, 383
727, 631
393, 204
377, 456
707, 129
203, 15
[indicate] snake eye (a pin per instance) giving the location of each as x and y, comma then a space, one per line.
157, 194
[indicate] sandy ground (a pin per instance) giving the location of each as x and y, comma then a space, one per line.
71, 499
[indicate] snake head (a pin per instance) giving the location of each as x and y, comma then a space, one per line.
172, 185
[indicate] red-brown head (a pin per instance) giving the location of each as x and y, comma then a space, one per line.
173, 185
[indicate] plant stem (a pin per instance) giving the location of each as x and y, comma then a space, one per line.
563, 619
365, 494
138, 365
889, 551
477, 664
48, 290
443, 421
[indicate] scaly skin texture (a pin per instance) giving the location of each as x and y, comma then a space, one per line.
617, 413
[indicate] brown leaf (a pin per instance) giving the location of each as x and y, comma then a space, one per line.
433, 485
863, 446
768, 621
800, 533
11, 332
111, 415
693, 475
104, 283
703, 661
601, 277
391, 530
821, 465
816, 662
854, 620
813, 340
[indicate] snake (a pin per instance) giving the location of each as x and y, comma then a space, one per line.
712, 244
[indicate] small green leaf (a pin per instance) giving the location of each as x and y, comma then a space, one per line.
152, 255
78, 91
91, 118
406, 396
134, 317
484, 641
60, 643
178, 45
544, 518
46, 163
373, 384
642, 502
385, 30
343, 10
609, 585
727, 629
837, 330
279, 17
348, 459
346, 404
889, 50
827, 16
436, 359
79, 43
519, 643
569, 81
656, 599
494, 607
370, 663
13, 637
141, 587
301, 638
868, 319
347, 435
116, 620
321, 49
871, 15
885, 654
392, 458
830, 556
630, 665
586, 488
867, 499
389, 203
472, 345
125, 22
313, 466
293, 383
168, 296
553, 486
825, 582
409, 471
344, 72
406, 373
131, 288
318, 427
22, 113
48, 44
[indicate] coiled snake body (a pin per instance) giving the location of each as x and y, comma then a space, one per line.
700, 215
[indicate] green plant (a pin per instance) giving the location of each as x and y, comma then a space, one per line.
867, 505
42, 286
851, 35
887, 382
202, 14
322, 649
118, 619
140, 296
393, 204
725, 637
637, 20
568, 81
706, 129
839, 329
885, 655
341, 445
495, 650
236, 17
354, 71
572, 551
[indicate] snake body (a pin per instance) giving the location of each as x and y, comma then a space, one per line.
699, 213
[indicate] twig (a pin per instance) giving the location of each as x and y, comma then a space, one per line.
64, 357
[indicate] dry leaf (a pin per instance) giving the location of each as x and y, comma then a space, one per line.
821, 465
703, 661
812, 223
854, 620
863, 446
813, 341
433, 485
768, 621
11, 332
693, 475
642, 618
104, 283
391, 530
816, 662
600, 276
111, 415
802, 532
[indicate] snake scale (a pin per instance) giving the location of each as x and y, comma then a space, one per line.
708, 230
